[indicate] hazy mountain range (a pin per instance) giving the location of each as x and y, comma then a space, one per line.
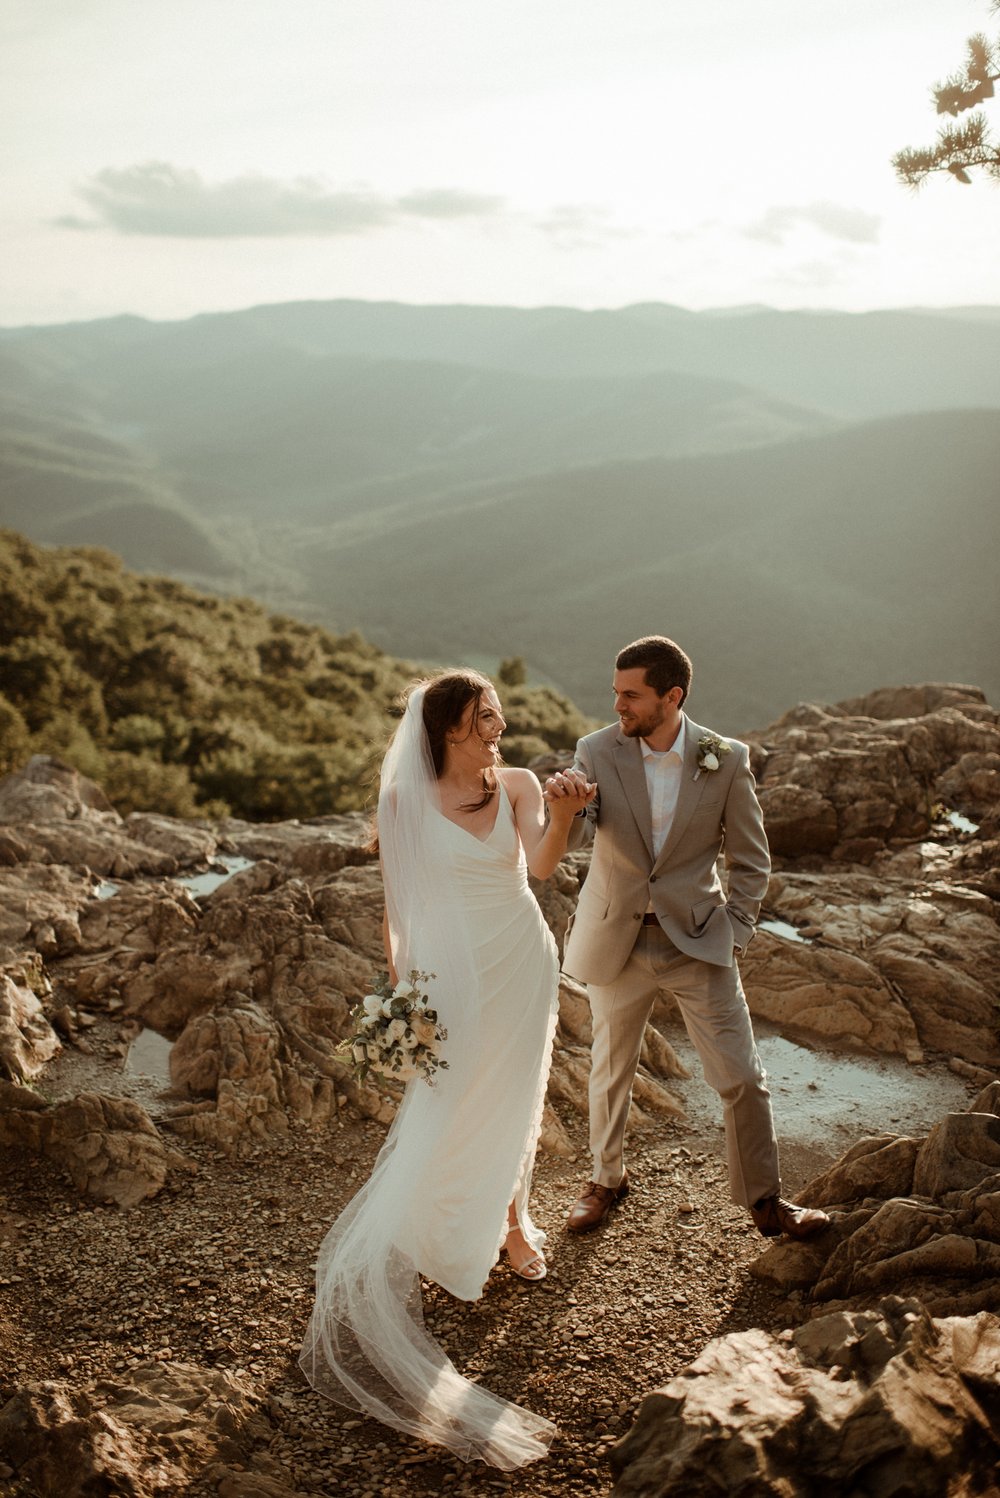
807, 501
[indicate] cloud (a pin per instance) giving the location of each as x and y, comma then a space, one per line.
577, 226
833, 219
449, 202
157, 198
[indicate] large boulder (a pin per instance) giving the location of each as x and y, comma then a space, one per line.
27, 1040
150, 1433
108, 1146
67, 819
233, 1064
883, 1402
322, 845
915, 1217
46, 789
40, 906
901, 957
843, 781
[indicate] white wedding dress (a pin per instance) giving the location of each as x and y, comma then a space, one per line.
458, 1152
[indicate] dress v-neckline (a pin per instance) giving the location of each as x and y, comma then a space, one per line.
496, 818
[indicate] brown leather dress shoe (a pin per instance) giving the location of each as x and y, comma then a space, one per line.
774, 1216
595, 1204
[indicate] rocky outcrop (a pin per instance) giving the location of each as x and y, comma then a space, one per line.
40, 906
323, 845
888, 945
255, 981
147, 1434
918, 1217
231, 1064
58, 816
108, 1146
844, 781
883, 1402
27, 1040
886, 904
902, 956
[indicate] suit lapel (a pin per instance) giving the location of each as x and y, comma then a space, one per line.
690, 790
628, 763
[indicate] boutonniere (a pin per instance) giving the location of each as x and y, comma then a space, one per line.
710, 751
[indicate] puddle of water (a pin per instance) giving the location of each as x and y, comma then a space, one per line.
782, 928
223, 868
826, 1099
962, 823
149, 1056
204, 884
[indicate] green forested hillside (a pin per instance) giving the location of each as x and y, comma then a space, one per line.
183, 703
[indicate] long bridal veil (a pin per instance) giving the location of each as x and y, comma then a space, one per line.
366, 1346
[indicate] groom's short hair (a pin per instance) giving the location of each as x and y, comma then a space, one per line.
665, 663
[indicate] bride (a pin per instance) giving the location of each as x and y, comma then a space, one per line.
458, 833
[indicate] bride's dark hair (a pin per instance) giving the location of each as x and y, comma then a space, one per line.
446, 697
445, 700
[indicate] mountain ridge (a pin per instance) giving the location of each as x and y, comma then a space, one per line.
553, 495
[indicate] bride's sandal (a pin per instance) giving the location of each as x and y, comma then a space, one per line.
532, 1266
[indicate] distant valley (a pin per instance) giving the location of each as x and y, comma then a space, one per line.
807, 501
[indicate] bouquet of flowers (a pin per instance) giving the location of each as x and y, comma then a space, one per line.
394, 1033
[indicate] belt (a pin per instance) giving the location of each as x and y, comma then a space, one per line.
650, 918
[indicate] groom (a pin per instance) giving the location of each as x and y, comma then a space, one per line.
653, 917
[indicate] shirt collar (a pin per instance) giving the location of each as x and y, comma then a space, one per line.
677, 747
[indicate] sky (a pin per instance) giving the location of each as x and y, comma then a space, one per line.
171, 157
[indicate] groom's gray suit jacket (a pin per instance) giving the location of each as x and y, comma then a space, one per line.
717, 811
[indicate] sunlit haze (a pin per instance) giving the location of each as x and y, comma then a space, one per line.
166, 159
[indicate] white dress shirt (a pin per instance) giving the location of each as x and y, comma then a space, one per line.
663, 782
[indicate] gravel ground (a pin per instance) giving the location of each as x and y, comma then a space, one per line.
217, 1271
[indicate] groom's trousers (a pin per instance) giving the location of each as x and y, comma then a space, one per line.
715, 1013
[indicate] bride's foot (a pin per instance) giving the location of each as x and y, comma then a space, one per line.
522, 1258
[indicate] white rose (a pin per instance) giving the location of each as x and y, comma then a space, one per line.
372, 1004
408, 1041
711, 761
396, 1029
387, 1008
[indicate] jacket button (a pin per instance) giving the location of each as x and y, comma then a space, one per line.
652, 878
637, 916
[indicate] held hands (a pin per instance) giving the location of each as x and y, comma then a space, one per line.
566, 793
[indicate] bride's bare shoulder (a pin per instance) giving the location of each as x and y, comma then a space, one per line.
519, 782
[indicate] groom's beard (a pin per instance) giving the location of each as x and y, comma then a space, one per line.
635, 727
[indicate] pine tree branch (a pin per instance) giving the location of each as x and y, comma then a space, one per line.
960, 148
955, 150
974, 83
